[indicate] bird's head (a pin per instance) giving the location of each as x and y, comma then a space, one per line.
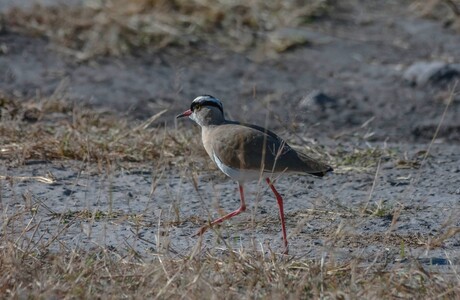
205, 110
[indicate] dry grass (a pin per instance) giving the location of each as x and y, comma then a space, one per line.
52, 128
115, 27
100, 273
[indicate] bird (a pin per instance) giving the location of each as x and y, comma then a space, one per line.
247, 152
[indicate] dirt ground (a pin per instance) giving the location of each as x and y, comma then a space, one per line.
350, 87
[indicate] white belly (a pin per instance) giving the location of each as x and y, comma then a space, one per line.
237, 174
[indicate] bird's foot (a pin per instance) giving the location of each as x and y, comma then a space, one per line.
286, 251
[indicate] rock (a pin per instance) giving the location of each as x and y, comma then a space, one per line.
32, 114
421, 73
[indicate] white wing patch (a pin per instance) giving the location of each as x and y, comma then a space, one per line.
236, 174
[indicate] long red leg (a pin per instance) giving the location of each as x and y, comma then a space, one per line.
228, 216
279, 199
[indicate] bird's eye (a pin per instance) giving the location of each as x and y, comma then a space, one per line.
197, 107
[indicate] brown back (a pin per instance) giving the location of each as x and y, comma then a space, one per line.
254, 148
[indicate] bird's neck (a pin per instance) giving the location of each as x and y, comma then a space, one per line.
212, 120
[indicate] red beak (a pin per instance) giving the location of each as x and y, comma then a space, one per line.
184, 114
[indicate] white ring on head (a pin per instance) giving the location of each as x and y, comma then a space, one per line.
208, 98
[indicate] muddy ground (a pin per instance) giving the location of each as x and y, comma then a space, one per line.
359, 59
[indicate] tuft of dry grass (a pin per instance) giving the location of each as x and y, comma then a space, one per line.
116, 27
54, 129
361, 159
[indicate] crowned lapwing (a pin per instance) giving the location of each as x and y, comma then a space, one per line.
247, 152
